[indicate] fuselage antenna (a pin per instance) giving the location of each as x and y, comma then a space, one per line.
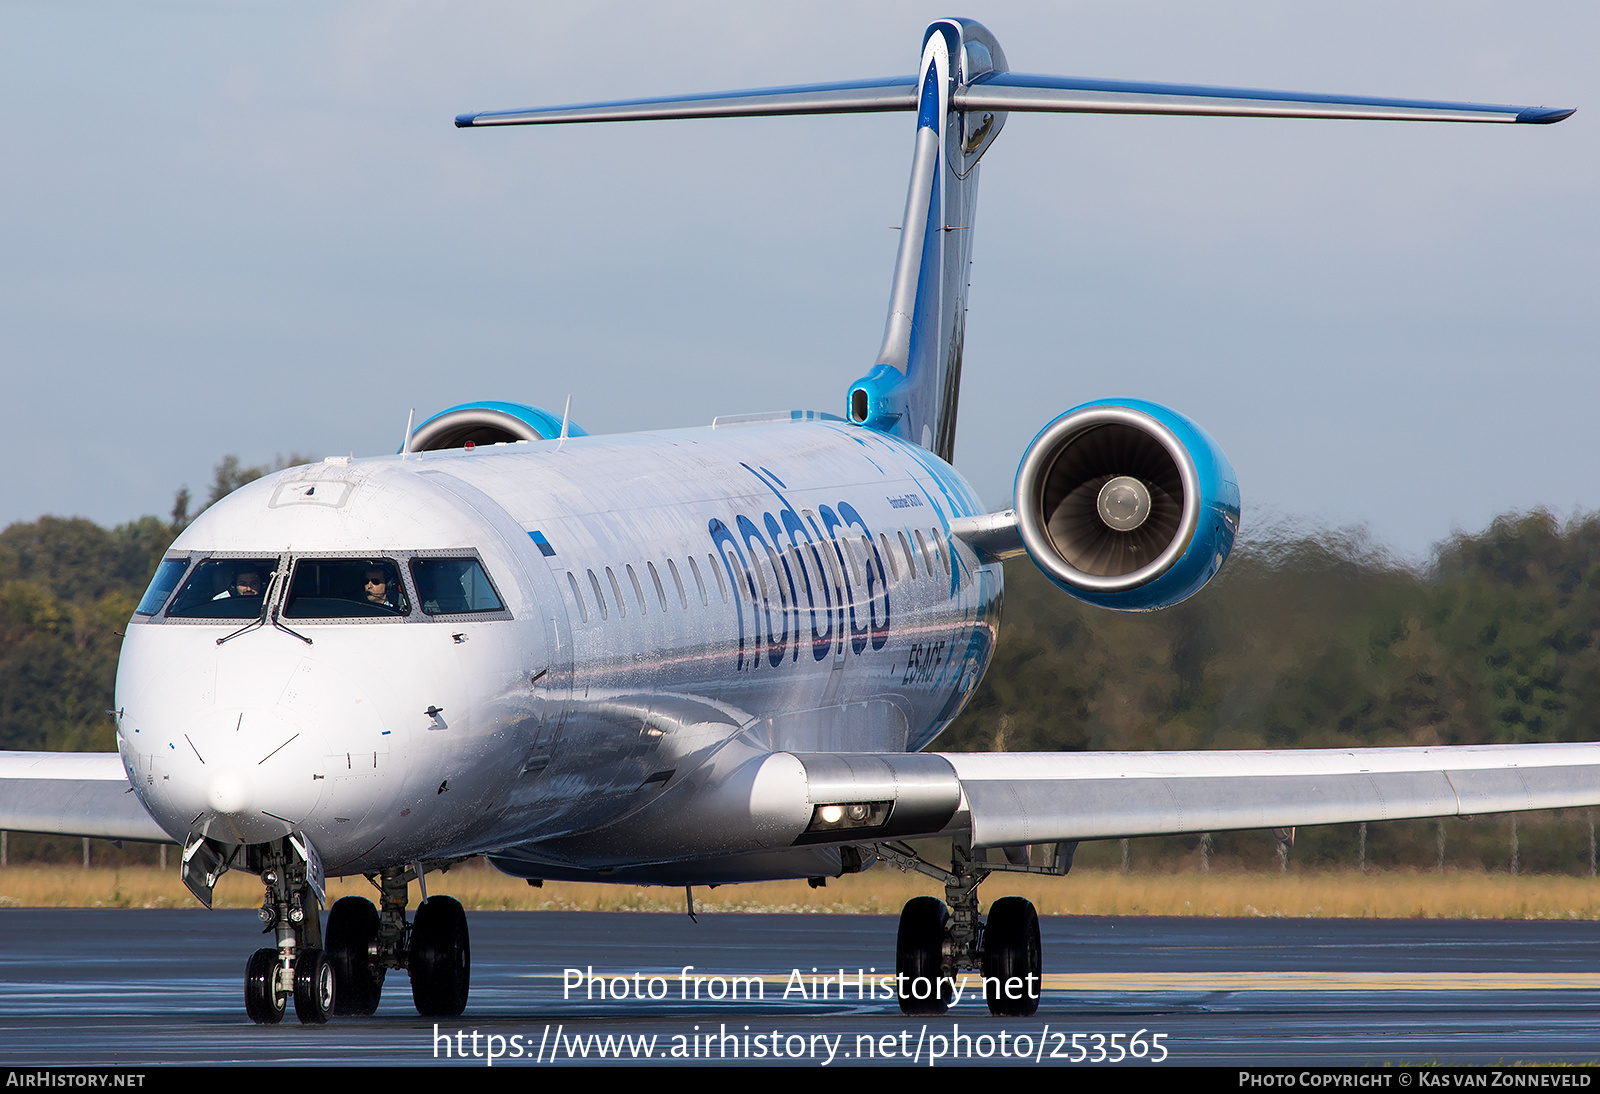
405, 445
566, 416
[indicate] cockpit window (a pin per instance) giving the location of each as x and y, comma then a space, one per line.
167, 577
223, 589
453, 586
342, 588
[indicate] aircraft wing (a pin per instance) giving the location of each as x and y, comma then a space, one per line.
1012, 798
72, 793
1047, 797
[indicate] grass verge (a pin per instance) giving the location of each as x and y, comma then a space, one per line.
1330, 894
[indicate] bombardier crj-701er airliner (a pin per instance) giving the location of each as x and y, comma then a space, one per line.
705, 655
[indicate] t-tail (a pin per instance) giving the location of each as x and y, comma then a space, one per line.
961, 94
913, 388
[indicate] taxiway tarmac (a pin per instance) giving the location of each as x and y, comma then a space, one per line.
134, 987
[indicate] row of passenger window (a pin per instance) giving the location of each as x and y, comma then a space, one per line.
321, 588
619, 603
935, 559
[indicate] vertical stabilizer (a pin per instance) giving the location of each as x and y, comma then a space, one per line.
912, 390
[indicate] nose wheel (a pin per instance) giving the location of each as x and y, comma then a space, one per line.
262, 1000
313, 987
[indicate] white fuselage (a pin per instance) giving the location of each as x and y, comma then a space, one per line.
670, 605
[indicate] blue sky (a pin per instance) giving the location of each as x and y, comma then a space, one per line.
252, 229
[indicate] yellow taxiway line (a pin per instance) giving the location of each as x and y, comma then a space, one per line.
825, 983
1322, 981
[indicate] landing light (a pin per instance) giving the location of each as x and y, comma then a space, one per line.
846, 815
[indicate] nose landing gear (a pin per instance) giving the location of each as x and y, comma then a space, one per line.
296, 967
936, 944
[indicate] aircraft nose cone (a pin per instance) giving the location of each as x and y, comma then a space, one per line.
230, 792
244, 775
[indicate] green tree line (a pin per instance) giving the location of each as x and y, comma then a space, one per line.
1314, 641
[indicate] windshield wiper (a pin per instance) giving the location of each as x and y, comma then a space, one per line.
261, 619
250, 626
286, 630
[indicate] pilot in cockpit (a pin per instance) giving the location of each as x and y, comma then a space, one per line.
377, 588
246, 582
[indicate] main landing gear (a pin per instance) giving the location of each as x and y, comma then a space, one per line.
341, 970
365, 942
940, 940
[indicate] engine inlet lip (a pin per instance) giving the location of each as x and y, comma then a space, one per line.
445, 430
1034, 471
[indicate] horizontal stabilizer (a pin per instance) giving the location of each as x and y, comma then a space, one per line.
851, 97
1045, 797
72, 793
961, 94
1075, 95
1006, 91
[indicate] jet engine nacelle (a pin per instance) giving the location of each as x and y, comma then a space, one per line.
1126, 504
491, 422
